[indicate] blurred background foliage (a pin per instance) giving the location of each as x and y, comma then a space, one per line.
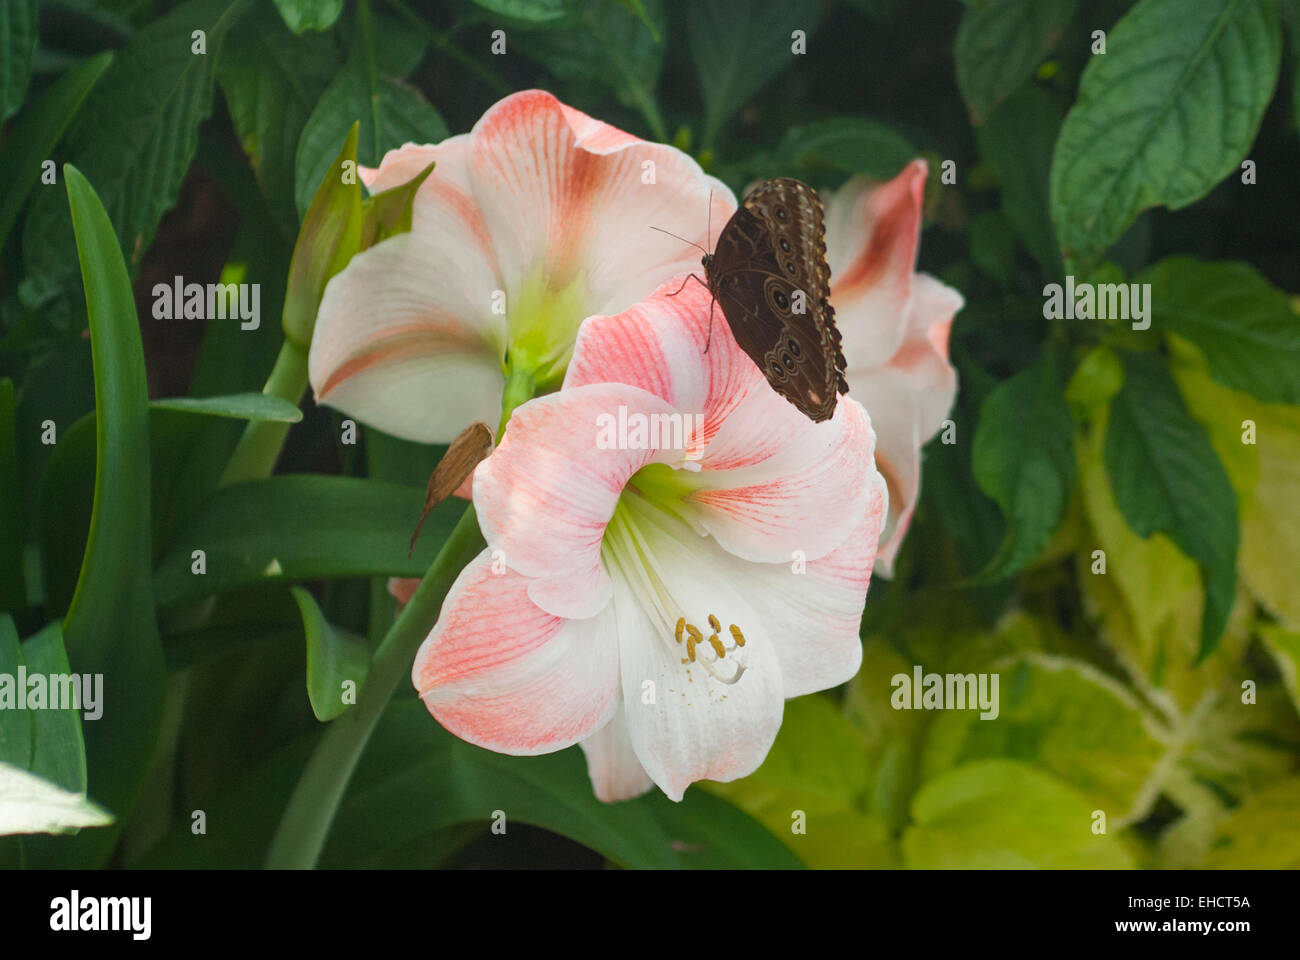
1155, 682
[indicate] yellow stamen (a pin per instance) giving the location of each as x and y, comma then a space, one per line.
718, 648
713, 622
737, 635
681, 622
695, 637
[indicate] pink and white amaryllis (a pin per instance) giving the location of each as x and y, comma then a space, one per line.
533, 221
672, 551
895, 323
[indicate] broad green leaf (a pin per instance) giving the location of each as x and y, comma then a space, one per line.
738, 47
15, 725
303, 15
1146, 594
854, 145
330, 236
818, 767
237, 406
389, 213
337, 661
31, 804
1248, 330
135, 138
1017, 140
1000, 42
368, 91
1263, 833
1270, 536
110, 627
34, 136
1238, 741
531, 11
58, 743
17, 44
1024, 458
1168, 479
1164, 115
612, 46
416, 778
13, 536
1284, 645
1069, 719
290, 528
1000, 814
272, 80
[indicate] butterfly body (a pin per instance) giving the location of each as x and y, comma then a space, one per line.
769, 273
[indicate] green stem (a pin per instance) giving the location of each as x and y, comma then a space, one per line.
310, 813
520, 387
259, 447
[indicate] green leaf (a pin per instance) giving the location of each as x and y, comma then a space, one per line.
15, 725
335, 658
1017, 141
110, 627
135, 138
1000, 42
529, 11
13, 535
1284, 645
739, 46
1247, 328
17, 44
272, 80
852, 145
389, 111
417, 778
389, 213
33, 138
238, 406
1261, 834
290, 528
1164, 115
817, 766
1069, 719
1000, 814
303, 15
1024, 458
58, 743
1168, 479
30, 804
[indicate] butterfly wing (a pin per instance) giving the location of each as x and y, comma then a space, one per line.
769, 274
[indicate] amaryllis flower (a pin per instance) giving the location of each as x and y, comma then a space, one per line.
672, 551
536, 219
895, 324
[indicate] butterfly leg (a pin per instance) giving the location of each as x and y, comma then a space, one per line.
689, 278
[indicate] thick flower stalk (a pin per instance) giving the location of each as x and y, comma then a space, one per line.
533, 221
673, 550
895, 324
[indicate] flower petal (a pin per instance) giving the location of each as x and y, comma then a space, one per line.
405, 342
502, 673
659, 346
774, 483
571, 195
547, 492
924, 353
684, 723
898, 450
616, 773
813, 610
872, 234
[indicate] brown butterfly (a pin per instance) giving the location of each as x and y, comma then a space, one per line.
770, 274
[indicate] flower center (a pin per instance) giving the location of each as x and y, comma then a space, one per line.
543, 322
649, 505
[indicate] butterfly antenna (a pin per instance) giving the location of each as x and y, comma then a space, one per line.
708, 224
682, 239
709, 339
